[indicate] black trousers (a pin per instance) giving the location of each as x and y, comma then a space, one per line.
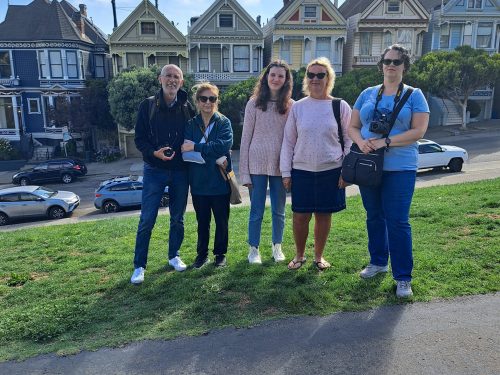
204, 206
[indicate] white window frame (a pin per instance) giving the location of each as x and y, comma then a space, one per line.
75, 64
485, 25
307, 50
387, 39
393, 3
99, 67
474, 4
147, 22
43, 64
10, 64
285, 51
368, 43
308, 9
444, 32
204, 59
226, 15
324, 40
82, 65
52, 64
226, 59
37, 101
237, 60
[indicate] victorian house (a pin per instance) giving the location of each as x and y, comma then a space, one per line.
373, 25
454, 23
303, 30
47, 51
145, 38
225, 44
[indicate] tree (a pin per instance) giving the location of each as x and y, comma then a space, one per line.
127, 90
351, 84
455, 75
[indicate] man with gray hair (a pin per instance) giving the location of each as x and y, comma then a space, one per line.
159, 134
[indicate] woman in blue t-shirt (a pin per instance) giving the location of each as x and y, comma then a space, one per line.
388, 205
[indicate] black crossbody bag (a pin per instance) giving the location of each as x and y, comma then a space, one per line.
367, 169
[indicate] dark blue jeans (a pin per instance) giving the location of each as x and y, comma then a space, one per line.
387, 221
154, 183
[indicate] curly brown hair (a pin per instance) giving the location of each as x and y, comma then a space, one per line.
262, 93
403, 52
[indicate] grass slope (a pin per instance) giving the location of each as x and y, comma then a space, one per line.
66, 288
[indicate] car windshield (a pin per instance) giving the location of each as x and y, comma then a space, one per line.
45, 192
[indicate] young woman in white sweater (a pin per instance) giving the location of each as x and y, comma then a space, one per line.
265, 117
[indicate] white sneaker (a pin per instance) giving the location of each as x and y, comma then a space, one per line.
137, 276
403, 289
254, 255
178, 264
277, 253
371, 270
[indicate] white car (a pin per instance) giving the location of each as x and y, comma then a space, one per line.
30, 201
432, 155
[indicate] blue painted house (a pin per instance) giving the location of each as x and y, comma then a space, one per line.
455, 23
44, 65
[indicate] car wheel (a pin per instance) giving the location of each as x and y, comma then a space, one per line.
67, 178
24, 181
455, 165
4, 219
164, 200
110, 206
56, 213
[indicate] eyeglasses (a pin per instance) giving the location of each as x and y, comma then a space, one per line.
396, 62
319, 75
204, 99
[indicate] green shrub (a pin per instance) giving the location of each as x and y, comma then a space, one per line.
7, 151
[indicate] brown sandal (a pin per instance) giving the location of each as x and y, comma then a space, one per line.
322, 265
296, 264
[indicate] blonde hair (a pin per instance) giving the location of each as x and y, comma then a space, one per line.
324, 62
202, 86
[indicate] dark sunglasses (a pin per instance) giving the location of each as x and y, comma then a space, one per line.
396, 62
319, 75
204, 99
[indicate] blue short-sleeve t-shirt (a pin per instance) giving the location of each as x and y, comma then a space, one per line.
400, 158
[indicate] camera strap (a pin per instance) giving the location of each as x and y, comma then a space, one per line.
398, 103
396, 98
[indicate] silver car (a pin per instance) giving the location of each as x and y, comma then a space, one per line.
31, 201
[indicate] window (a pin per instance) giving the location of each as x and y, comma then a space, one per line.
137, 185
118, 62
255, 63
365, 44
148, 28
477, 4
5, 69
285, 51
225, 20
135, 59
12, 197
444, 41
82, 66
309, 12
387, 39
405, 38
41, 167
468, 34
225, 60
28, 197
99, 66
484, 31
122, 187
393, 7
203, 60
174, 60
56, 69
42, 61
7, 113
323, 47
241, 59
307, 51
33, 105
72, 64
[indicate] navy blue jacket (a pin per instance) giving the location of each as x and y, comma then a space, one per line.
206, 179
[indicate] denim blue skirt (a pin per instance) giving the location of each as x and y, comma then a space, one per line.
317, 191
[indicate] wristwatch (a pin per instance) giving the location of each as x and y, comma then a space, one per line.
387, 143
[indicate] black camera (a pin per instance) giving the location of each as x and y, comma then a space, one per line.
381, 125
168, 152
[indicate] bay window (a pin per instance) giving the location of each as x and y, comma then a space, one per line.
241, 59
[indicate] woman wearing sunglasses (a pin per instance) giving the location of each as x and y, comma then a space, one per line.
265, 116
311, 160
209, 133
388, 205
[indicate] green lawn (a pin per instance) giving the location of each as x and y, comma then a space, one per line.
66, 288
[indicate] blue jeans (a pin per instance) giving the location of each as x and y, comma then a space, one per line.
154, 183
258, 202
387, 221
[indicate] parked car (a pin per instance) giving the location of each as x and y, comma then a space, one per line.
118, 192
432, 155
31, 201
65, 170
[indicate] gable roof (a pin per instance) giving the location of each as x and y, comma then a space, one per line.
36, 14
146, 5
293, 6
214, 8
351, 7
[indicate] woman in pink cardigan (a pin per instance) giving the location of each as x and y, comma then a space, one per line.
265, 116
311, 160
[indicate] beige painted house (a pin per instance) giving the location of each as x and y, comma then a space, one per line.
145, 38
303, 30
373, 25
225, 44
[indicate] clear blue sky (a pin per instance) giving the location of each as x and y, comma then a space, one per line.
179, 11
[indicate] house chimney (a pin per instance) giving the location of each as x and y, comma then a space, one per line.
286, 2
80, 23
336, 3
156, 4
258, 20
83, 9
114, 14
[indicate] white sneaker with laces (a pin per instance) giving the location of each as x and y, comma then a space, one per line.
403, 289
278, 253
137, 276
254, 255
371, 270
178, 264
